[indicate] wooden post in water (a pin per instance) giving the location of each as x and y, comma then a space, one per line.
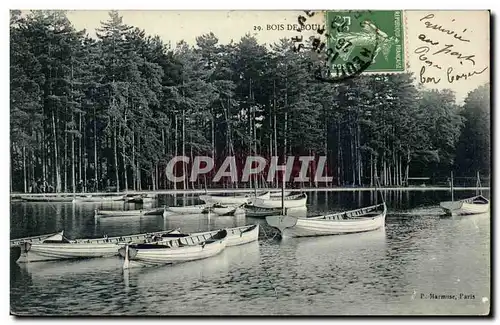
283, 212
479, 190
451, 184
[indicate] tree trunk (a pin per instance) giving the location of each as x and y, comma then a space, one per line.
176, 149
65, 159
184, 147
96, 174
56, 158
73, 162
115, 151
134, 171
124, 158
24, 172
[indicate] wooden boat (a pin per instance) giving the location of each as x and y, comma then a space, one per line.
473, 205
232, 200
33, 239
51, 198
256, 212
175, 250
189, 209
278, 194
139, 199
235, 236
226, 210
57, 247
91, 198
292, 201
123, 213
359, 220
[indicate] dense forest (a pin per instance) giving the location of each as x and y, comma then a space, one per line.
111, 111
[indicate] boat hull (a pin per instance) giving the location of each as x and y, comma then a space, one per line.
56, 251
151, 257
231, 200
99, 199
235, 237
465, 208
277, 203
194, 209
306, 227
473, 205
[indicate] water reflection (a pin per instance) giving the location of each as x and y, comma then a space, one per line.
381, 272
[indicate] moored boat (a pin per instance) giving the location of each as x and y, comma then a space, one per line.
353, 221
144, 199
58, 247
33, 239
230, 200
91, 198
292, 201
473, 205
235, 236
279, 194
256, 212
124, 213
47, 198
224, 210
175, 250
189, 209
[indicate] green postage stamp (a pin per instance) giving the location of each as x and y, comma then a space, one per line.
357, 36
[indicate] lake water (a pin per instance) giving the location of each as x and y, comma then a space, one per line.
392, 271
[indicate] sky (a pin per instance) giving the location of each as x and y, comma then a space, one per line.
462, 37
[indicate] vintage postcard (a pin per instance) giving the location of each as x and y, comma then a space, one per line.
314, 162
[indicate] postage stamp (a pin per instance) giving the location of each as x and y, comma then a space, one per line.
358, 36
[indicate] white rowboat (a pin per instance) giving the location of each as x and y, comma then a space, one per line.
124, 213
189, 209
232, 200
473, 205
99, 199
235, 236
223, 210
359, 220
175, 250
292, 201
278, 194
58, 247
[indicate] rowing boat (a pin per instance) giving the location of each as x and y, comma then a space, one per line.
139, 199
353, 221
473, 205
278, 194
52, 198
241, 199
189, 209
33, 239
99, 198
235, 236
125, 213
58, 247
292, 201
175, 250
224, 210
256, 212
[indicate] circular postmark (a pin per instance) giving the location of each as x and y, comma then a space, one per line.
344, 47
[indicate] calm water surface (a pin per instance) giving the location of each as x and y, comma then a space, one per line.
388, 271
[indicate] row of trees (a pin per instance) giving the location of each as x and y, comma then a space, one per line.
114, 110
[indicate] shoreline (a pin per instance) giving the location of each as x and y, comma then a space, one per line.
249, 190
